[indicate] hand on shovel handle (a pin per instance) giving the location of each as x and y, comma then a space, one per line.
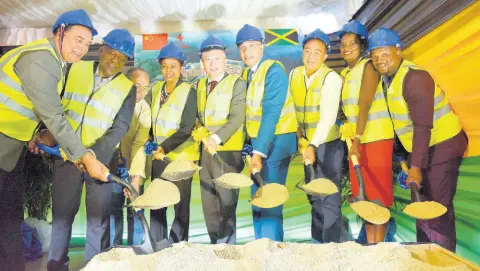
353, 157
254, 170
414, 177
209, 146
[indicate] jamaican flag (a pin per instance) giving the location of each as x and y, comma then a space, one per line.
281, 37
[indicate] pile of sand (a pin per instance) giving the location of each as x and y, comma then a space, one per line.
371, 212
159, 194
233, 181
425, 210
320, 186
267, 255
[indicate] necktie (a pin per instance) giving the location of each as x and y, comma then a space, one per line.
212, 86
249, 77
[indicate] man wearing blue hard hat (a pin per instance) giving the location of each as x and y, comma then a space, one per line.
31, 81
98, 101
221, 110
174, 110
271, 124
427, 128
316, 93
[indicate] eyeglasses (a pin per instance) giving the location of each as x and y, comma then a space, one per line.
143, 88
249, 47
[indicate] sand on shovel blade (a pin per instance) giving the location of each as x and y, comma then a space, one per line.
371, 212
425, 210
159, 194
180, 170
320, 186
233, 181
270, 196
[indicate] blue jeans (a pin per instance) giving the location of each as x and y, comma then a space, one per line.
268, 222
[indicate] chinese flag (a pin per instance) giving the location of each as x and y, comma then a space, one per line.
154, 41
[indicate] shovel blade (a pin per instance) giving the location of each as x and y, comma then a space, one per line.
178, 176
270, 196
425, 210
370, 211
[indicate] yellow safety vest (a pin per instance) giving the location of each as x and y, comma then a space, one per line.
214, 109
166, 120
445, 123
93, 109
307, 102
17, 117
379, 126
287, 122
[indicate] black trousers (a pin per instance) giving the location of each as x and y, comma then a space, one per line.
12, 187
158, 218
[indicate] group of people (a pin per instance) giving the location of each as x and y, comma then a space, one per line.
100, 116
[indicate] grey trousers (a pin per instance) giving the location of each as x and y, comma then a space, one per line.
66, 194
158, 218
12, 187
219, 204
326, 214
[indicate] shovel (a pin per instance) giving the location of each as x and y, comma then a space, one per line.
175, 169
268, 195
225, 180
317, 186
371, 211
148, 246
417, 209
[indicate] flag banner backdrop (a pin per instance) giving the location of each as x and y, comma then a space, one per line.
282, 45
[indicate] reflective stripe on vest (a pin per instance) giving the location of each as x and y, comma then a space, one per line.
445, 123
96, 109
17, 116
167, 118
307, 102
379, 126
287, 122
214, 110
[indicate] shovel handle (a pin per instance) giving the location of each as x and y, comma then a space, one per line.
310, 169
129, 186
164, 158
353, 157
356, 166
50, 150
415, 192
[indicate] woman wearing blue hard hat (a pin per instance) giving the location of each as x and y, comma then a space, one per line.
174, 111
368, 123
428, 129
98, 101
31, 81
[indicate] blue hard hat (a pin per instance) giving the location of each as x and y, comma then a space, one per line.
121, 40
319, 35
248, 32
212, 42
171, 51
75, 17
384, 37
354, 27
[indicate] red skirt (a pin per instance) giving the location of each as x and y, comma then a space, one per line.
376, 168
